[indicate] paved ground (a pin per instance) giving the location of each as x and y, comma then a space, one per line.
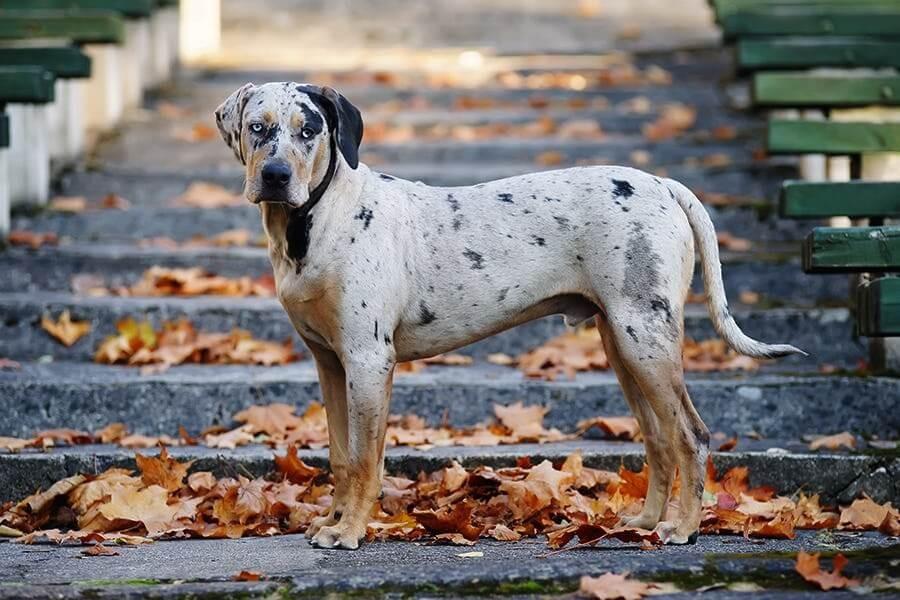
424, 569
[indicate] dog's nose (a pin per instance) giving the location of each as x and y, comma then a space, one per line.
276, 174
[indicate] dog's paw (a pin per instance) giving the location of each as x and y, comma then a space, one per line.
640, 522
318, 523
338, 536
670, 532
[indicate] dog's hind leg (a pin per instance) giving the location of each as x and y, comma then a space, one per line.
654, 361
368, 401
332, 381
659, 456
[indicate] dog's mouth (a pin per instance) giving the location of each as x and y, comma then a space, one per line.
274, 197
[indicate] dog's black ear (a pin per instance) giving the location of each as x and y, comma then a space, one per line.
230, 118
344, 120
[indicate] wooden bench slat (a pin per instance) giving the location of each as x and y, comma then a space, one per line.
825, 89
789, 136
724, 7
80, 27
128, 8
854, 199
878, 308
852, 250
26, 85
794, 20
809, 52
65, 62
4, 130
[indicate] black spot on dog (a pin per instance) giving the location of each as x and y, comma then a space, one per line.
453, 202
549, 199
457, 223
376, 330
425, 314
562, 222
660, 304
365, 215
527, 211
386, 177
364, 304
502, 295
387, 340
505, 198
312, 118
476, 258
630, 331
622, 206
579, 258
538, 241
623, 189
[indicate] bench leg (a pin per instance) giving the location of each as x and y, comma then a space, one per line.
66, 121
200, 28
103, 95
4, 192
29, 154
160, 69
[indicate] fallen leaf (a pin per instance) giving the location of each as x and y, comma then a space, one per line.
162, 470
613, 586
865, 514
807, 566
294, 469
21, 237
148, 506
64, 329
834, 442
248, 576
99, 550
69, 204
202, 194
6, 363
550, 158
624, 428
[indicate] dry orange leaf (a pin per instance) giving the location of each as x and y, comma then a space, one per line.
248, 576
148, 506
202, 194
99, 550
64, 329
808, 567
625, 428
69, 204
844, 439
613, 586
864, 513
162, 470
22, 237
550, 158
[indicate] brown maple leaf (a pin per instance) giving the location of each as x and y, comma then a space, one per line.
64, 329
807, 566
613, 586
162, 470
148, 506
295, 469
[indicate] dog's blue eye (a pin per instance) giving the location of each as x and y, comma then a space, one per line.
307, 133
256, 127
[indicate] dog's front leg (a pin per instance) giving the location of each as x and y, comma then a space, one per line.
368, 401
333, 382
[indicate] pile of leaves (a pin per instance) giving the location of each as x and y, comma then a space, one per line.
277, 425
179, 343
545, 126
616, 75
452, 505
225, 239
582, 350
162, 281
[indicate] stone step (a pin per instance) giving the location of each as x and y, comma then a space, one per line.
89, 396
773, 271
785, 466
715, 568
825, 333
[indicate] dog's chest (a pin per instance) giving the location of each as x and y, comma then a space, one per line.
307, 295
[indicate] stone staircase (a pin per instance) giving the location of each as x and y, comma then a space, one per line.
148, 165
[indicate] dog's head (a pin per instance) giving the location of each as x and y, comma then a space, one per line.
290, 137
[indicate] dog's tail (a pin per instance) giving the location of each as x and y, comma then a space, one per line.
705, 238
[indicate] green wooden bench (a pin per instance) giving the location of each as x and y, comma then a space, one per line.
754, 53
78, 26
4, 130
825, 89
65, 62
852, 250
827, 20
854, 199
26, 85
790, 136
127, 8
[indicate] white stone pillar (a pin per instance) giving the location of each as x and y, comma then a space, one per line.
161, 51
131, 62
29, 154
4, 192
200, 29
103, 95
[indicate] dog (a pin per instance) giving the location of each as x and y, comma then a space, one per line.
373, 270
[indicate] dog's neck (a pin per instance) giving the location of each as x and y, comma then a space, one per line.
285, 226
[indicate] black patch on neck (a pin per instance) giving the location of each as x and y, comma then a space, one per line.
300, 221
623, 189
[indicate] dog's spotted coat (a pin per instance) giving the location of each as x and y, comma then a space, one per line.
373, 270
